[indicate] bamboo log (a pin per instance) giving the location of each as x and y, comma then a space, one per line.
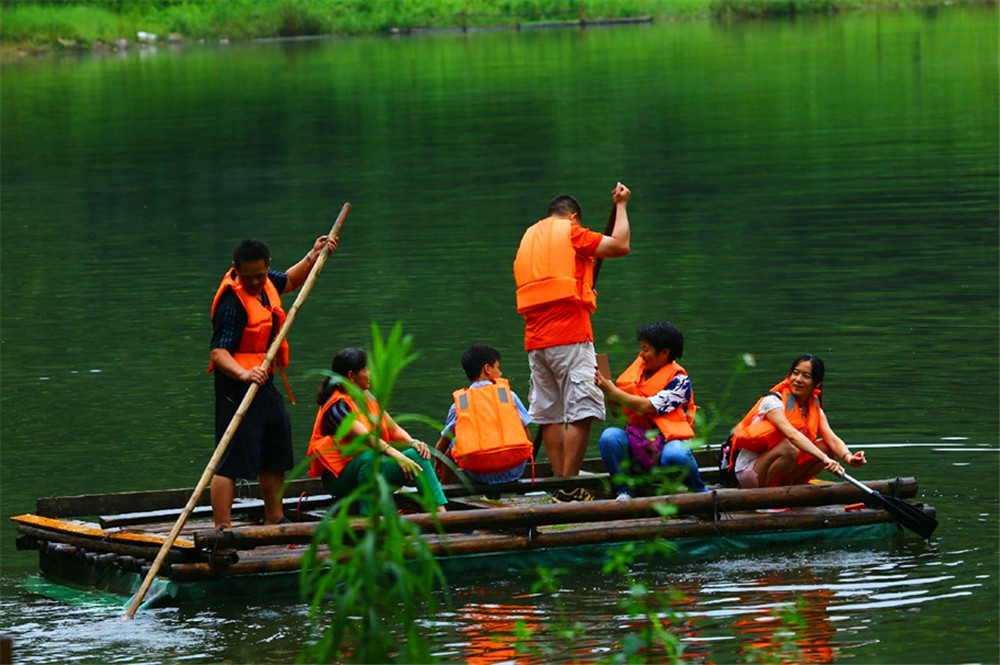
571, 513
655, 528
823, 517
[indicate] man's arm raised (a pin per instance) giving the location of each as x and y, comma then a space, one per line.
297, 273
618, 243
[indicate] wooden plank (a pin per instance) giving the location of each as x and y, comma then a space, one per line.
549, 484
60, 527
137, 549
247, 507
134, 502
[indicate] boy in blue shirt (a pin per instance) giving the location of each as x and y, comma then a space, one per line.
488, 423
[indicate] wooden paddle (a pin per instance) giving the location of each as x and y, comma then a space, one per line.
907, 514
206, 476
608, 230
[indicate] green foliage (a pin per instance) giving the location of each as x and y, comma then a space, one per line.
749, 8
46, 24
789, 620
369, 580
565, 631
43, 23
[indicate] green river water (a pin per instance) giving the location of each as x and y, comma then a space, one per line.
824, 185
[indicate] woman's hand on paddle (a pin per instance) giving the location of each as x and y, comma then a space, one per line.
833, 466
255, 375
421, 448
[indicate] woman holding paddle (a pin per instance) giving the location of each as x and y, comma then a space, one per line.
341, 463
785, 439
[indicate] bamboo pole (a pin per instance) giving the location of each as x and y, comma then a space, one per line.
728, 500
206, 476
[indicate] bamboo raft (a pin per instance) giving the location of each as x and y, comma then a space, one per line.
113, 550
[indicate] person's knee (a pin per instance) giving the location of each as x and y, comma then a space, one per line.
613, 440
675, 453
786, 453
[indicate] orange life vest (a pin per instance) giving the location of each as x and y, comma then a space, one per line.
489, 434
324, 451
261, 319
763, 435
546, 267
679, 423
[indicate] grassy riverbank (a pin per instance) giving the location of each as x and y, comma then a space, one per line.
29, 26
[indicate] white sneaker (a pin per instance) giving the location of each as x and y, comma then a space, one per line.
623, 496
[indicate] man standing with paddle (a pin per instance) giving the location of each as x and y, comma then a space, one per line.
554, 273
246, 316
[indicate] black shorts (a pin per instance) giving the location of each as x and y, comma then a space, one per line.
262, 442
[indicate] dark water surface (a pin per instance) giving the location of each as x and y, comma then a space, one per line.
826, 185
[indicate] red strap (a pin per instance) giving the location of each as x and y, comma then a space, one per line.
291, 397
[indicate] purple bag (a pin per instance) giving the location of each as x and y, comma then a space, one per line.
645, 451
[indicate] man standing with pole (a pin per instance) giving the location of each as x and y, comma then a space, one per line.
246, 316
244, 405
241, 410
554, 273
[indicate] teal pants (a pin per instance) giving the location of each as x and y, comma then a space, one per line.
360, 469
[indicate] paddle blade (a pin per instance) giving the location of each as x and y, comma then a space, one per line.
910, 516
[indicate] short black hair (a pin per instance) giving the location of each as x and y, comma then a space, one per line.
818, 368
475, 357
564, 205
347, 360
662, 335
251, 250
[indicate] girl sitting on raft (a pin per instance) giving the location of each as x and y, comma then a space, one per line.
785, 439
408, 460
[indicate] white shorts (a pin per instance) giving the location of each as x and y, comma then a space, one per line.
748, 479
562, 384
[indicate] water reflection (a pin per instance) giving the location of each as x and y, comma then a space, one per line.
134, 176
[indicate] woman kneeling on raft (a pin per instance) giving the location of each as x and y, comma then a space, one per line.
343, 471
785, 439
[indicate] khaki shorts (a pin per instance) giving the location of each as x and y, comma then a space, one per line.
562, 384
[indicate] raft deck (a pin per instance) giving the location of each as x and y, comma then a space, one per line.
114, 549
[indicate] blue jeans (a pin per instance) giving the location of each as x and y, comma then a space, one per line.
614, 449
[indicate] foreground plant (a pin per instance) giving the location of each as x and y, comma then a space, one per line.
368, 580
